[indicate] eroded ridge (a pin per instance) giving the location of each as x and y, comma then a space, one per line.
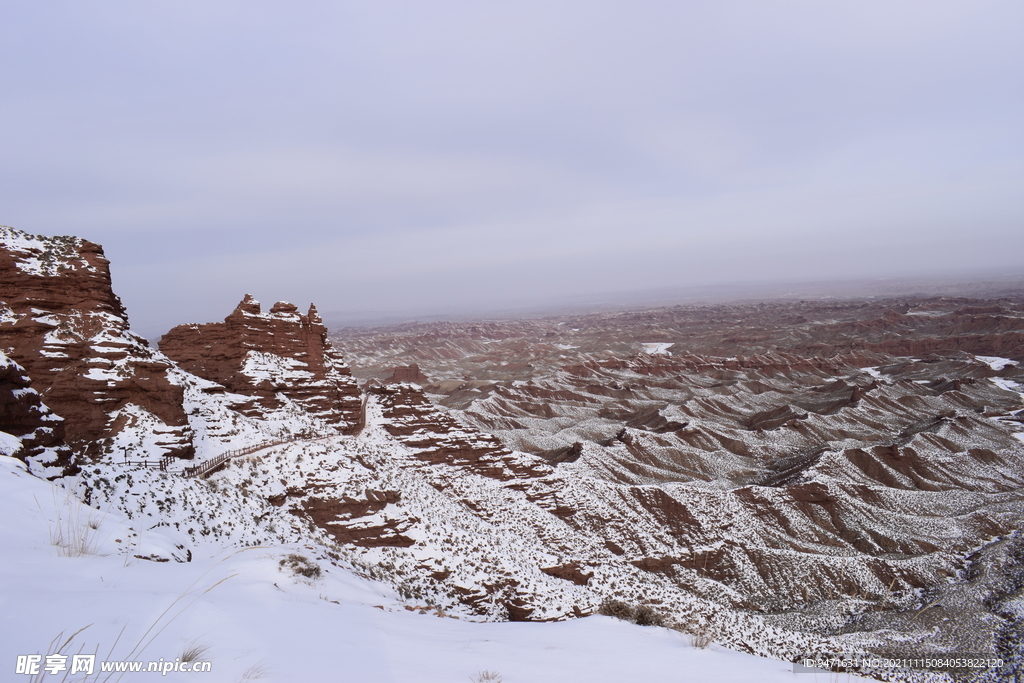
823, 465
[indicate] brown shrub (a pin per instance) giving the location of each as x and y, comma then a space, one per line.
611, 607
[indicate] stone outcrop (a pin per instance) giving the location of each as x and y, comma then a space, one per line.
570, 572
361, 521
436, 437
268, 355
61, 321
39, 433
409, 374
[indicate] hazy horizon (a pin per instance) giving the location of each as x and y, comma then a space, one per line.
958, 285
432, 159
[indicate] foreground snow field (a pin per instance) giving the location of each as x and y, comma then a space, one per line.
262, 621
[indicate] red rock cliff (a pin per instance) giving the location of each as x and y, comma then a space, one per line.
61, 321
265, 354
39, 433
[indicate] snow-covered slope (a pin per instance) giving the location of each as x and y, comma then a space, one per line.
260, 619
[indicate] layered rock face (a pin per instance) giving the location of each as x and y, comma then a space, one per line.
436, 437
61, 321
39, 433
267, 355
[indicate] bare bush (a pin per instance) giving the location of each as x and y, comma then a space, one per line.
642, 615
611, 607
647, 616
487, 677
301, 565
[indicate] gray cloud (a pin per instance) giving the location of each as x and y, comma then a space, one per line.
458, 155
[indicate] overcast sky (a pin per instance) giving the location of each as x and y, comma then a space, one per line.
426, 157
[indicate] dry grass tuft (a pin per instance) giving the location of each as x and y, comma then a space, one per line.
487, 677
699, 640
696, 633
194, 650
256, 672
74, 533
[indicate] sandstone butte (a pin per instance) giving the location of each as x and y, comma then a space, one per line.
62, 323
267, 355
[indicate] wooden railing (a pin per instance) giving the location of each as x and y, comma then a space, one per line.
160, 464
204, 468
